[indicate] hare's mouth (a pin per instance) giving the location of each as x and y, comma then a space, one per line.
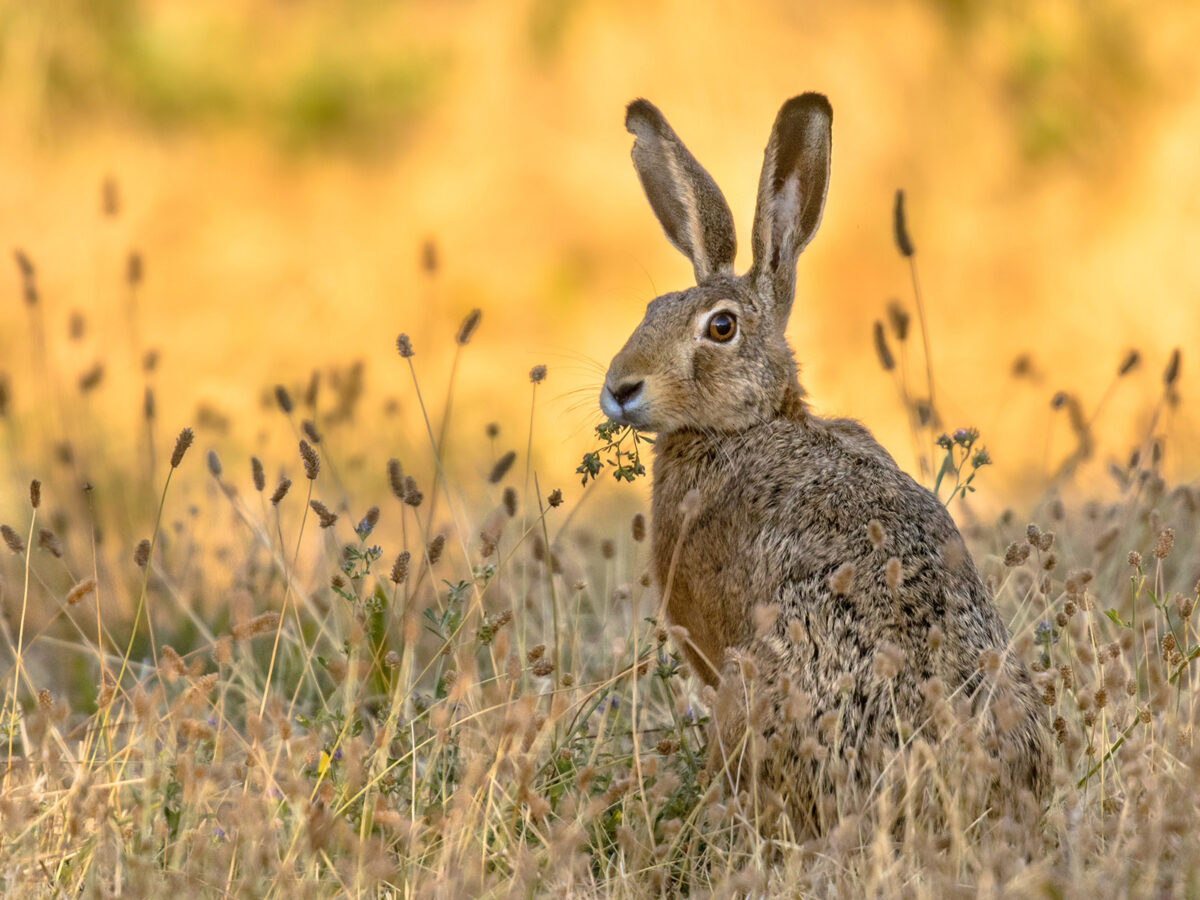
626, 402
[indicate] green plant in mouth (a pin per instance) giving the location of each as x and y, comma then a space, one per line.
620, 451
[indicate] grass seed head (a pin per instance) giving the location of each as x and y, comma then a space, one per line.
91, 379
281, 490
510, 501
882, 350
395, 475
80, 590
400, 568
900, 227
1171, 373
214, 464
310, 431
430, 262
181, 446
412, 496
312, 462
12, 539
467, 328
258, 474
898, 320
325, 517
1016, 554
555, 498
889, 661
503, 464
638, 527
436, 546
842, 579
404, 346
1184, 605
48, 541
1164, 543
141, 553
260, 624
690, 505
1129, 363
876, 534
35, 493
110, 197
284, 399
28, 277
537, 374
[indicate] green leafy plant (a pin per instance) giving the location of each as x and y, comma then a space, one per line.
962, 461
620, 451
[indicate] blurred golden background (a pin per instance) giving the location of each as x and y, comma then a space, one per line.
277, 168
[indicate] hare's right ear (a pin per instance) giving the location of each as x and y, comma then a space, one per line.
686, 200
791, 197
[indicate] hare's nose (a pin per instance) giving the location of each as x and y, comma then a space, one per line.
627, 391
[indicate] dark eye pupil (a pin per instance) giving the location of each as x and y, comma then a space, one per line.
721, 326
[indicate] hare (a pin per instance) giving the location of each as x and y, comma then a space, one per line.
826, 596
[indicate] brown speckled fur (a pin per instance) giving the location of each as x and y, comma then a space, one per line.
785, 498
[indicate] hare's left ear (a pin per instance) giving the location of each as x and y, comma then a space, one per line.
688, 203
791, 197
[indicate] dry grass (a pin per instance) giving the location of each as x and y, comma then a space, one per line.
452, 684
466, 691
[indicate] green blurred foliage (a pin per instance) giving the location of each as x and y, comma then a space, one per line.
312, 84
1068, 72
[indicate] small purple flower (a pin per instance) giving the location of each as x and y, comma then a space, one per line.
219, 833
337, 754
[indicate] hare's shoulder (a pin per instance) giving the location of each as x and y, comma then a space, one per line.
836, 466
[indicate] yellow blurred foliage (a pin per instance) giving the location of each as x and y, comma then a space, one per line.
280, 165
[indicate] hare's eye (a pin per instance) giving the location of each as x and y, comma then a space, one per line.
722, 327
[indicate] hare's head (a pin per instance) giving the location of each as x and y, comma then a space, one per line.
714, 357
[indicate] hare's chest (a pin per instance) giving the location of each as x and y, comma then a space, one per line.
705, 578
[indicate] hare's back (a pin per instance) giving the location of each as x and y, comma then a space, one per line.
850, 535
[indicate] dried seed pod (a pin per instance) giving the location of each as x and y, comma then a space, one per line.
312, 462
181, 446
325, 517
882, 350
12, 539
503, 464
467, 328
396, 478
900, 227
400, 568
281, 490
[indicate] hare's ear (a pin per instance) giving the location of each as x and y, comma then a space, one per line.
791, 196
686, 200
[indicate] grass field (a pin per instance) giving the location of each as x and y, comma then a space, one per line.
292, 604
313, 672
